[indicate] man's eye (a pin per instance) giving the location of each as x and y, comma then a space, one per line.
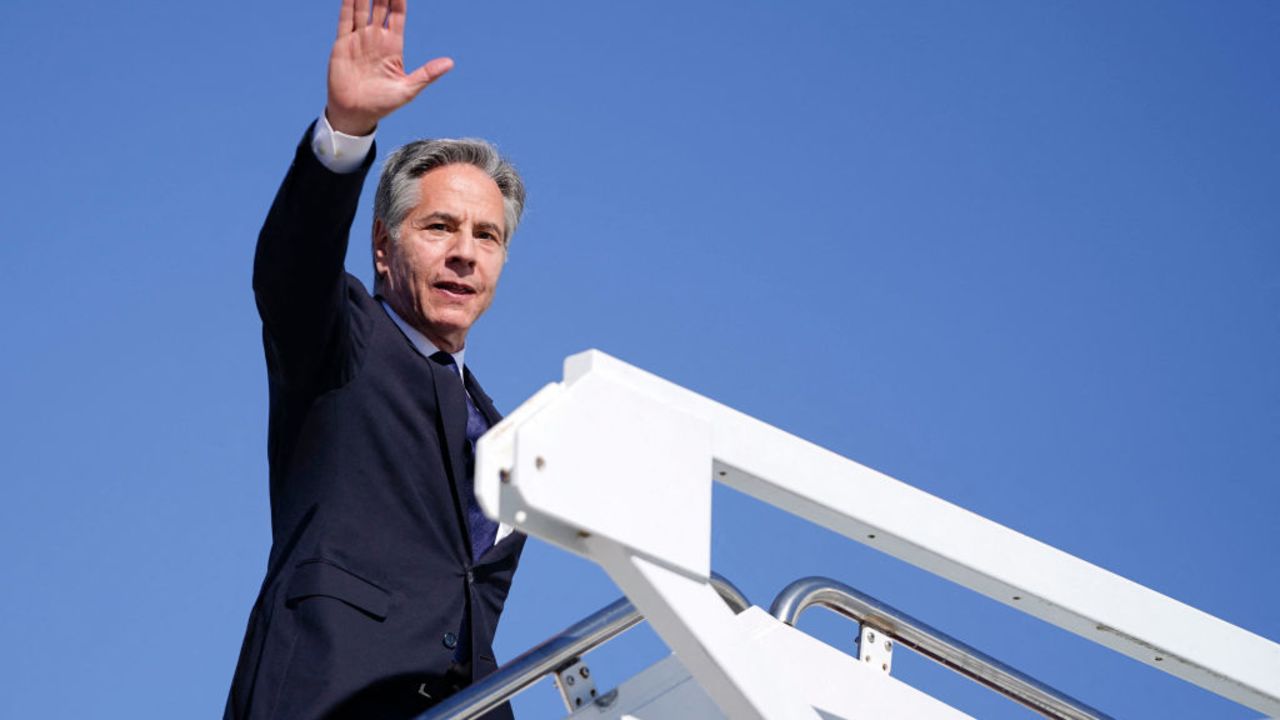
437, 227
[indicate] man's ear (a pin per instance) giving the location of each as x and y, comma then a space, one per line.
381, 250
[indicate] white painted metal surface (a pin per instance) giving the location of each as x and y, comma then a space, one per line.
698, 627
616, 464
836, 685
577, 687
875, 649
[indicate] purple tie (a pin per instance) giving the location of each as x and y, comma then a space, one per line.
483, 531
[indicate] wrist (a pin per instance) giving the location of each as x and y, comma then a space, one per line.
349, 123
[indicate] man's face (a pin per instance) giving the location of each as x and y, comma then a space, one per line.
441, 274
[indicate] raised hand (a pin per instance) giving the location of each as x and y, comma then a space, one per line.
367, 81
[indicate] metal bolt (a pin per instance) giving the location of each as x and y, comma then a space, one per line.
504, 476
884, 667
871, 637
584, 672
568, 679
888, 644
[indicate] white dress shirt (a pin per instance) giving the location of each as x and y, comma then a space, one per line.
338, 151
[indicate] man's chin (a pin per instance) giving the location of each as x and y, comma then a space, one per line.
448, 327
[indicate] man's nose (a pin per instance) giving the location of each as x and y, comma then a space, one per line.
464, 247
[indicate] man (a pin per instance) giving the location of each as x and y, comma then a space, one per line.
385, 582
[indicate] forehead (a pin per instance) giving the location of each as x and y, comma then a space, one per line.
459, 189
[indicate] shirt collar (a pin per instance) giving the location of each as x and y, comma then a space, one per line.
425, 347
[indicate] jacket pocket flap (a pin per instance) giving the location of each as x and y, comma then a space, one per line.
321, 578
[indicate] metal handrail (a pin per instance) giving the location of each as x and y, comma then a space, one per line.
930, 642
555, 653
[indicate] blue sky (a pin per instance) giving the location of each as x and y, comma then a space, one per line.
1024, 256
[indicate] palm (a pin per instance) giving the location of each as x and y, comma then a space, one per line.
367, 80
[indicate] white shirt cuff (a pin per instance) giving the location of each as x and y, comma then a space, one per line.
338, 151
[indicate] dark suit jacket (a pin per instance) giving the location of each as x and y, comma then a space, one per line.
370, 577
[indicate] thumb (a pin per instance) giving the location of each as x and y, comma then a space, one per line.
431, 72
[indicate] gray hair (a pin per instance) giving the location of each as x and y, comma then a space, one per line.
398, 191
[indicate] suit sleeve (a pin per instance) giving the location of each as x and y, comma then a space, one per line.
298, 278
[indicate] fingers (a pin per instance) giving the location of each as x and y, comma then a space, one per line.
431, 72
347, 17
361, 15
395, 20
380, 13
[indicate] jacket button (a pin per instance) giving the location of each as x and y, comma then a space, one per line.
450, 640
471, 577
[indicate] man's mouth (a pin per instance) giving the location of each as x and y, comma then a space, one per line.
454, 288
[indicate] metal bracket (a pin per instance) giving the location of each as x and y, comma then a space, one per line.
575, 685
876, 649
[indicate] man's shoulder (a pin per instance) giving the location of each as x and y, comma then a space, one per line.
363, 309
356, 290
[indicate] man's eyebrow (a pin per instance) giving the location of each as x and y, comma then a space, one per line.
486, 225
440, 215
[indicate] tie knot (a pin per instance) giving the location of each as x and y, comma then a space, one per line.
443, 358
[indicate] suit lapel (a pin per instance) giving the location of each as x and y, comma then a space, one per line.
481, 399
453, 420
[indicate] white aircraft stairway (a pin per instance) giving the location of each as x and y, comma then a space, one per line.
585, 463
